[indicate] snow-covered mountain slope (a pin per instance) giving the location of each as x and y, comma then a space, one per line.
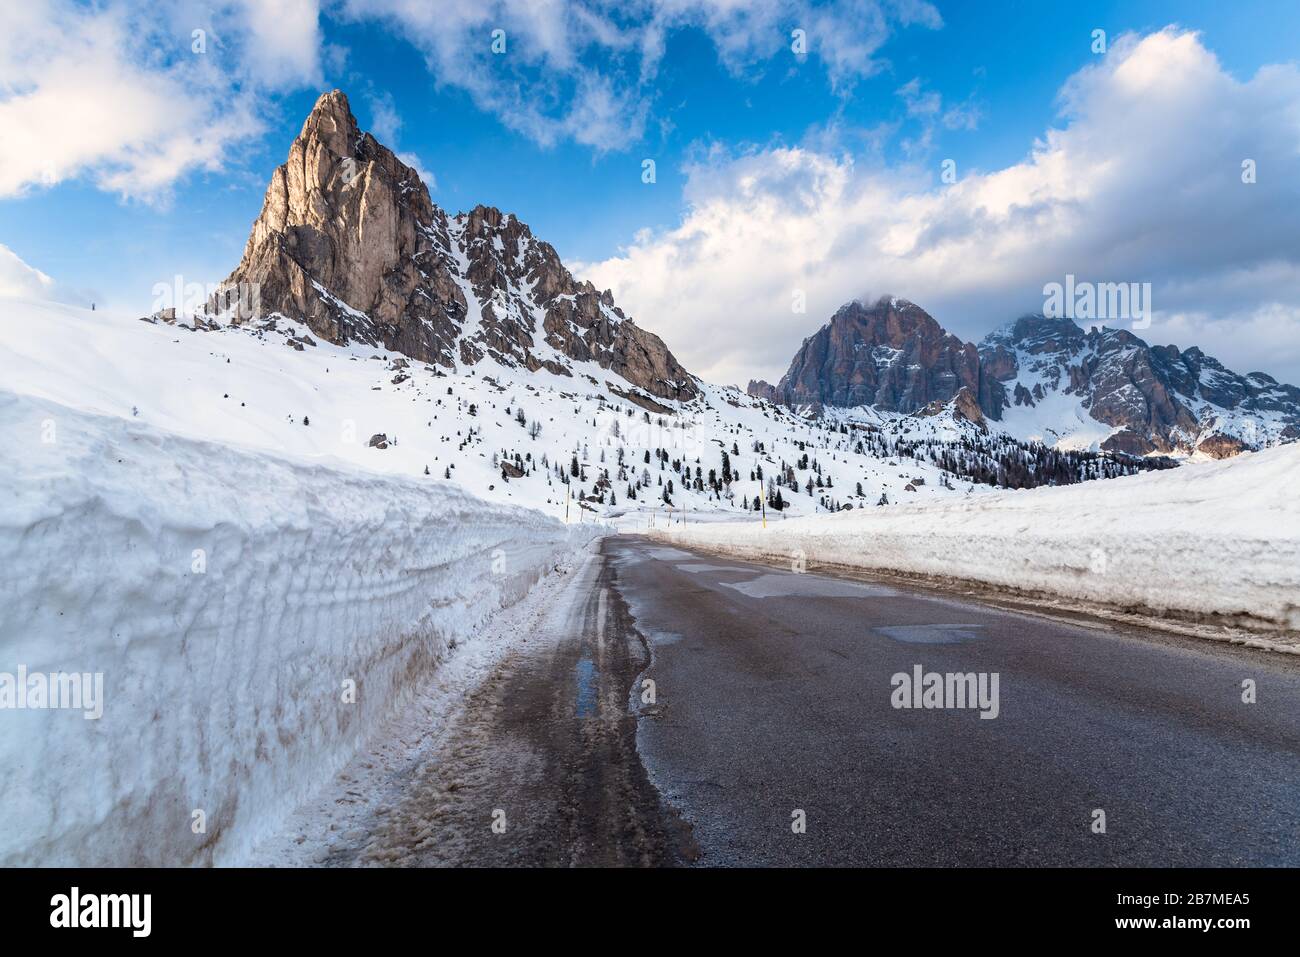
350, 251
1108, 388
502, 432
1209, 543
253, 617
1039, 379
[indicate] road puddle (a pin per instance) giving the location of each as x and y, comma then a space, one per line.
588, 676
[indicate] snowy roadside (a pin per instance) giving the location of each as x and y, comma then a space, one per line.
1211, 548
252, 619
338, 823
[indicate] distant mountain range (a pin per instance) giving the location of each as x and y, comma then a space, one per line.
1038, 378
349, 243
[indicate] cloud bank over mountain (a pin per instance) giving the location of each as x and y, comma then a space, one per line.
1142, 181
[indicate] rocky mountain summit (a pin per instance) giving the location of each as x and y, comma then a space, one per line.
1156, 398
891, 355
350, 243
1040, 379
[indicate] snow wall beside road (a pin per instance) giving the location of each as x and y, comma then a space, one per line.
229, 598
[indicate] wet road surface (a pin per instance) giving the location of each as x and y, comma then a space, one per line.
677, 708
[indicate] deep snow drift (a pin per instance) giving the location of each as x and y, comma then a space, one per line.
1213, 542
228, 598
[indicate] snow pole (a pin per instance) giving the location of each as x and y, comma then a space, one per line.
566, 503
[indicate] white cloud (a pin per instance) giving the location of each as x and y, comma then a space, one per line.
21, 281
572, 70
385, 121
282, 46
18, 280
1142, 182
132, 98
132, 95
919, 103
927, 108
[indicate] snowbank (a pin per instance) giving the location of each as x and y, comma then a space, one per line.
1216, 543
227, 597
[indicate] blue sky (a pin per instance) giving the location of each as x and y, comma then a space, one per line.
903, 86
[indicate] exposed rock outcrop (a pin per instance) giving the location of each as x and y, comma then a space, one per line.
350, 243
892, 355
763, 390
1158, 399
963, 407
1221, 446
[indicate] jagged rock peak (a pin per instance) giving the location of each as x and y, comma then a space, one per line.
331, 120
890, 354
1156, 398
350, 242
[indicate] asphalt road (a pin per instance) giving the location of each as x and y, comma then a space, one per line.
541, 768
773, 705
773, 695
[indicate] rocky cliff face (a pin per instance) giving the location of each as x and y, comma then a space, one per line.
1156, 398
350, 243
892, 355
1039, 378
